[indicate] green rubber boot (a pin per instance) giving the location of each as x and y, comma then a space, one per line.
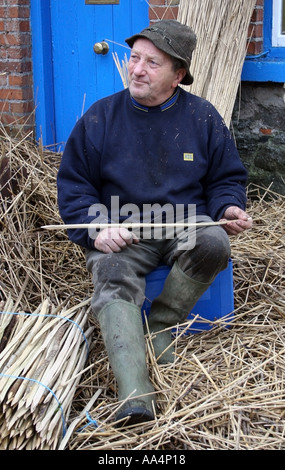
179, 295
123, 335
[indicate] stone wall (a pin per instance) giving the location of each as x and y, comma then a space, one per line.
259, 130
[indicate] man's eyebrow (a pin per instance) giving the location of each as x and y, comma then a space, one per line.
152, 56
134, 51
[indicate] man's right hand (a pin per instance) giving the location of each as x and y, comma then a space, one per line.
114, 240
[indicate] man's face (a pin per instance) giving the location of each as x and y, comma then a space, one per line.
152, 79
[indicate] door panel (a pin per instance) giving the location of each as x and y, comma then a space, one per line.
79, 75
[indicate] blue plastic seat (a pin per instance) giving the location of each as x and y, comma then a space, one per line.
216, 303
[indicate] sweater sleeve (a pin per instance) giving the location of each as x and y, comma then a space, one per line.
225, 183
78, 185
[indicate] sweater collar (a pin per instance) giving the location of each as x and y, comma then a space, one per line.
162, 107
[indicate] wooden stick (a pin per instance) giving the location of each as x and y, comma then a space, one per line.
134, 225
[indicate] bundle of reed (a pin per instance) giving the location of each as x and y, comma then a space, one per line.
222, 31
41, 360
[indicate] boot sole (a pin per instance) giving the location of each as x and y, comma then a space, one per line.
134, 416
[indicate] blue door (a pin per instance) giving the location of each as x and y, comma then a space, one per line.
68, 75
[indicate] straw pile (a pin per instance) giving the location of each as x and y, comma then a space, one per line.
225, 390
222, 30
44, 328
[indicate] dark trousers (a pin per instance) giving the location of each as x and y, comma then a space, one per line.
201, 253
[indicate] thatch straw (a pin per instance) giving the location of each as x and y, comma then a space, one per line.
221, 27
35, 264
225, 389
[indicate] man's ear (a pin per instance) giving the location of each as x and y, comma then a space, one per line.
180, 74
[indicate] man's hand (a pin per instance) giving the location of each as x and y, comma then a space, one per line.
113, 240
242, 221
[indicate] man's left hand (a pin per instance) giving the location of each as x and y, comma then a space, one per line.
241, 220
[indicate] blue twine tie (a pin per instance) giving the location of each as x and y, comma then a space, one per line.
91, 422
52, 316
45, 386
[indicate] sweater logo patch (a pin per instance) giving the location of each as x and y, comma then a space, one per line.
188, 157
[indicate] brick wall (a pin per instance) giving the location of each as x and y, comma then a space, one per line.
255, 32
16, 82
163, 9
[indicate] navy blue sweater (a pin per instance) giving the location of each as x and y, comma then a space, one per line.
178, 153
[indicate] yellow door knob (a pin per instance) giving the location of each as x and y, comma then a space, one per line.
101, 48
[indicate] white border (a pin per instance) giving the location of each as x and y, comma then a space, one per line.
278, 39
